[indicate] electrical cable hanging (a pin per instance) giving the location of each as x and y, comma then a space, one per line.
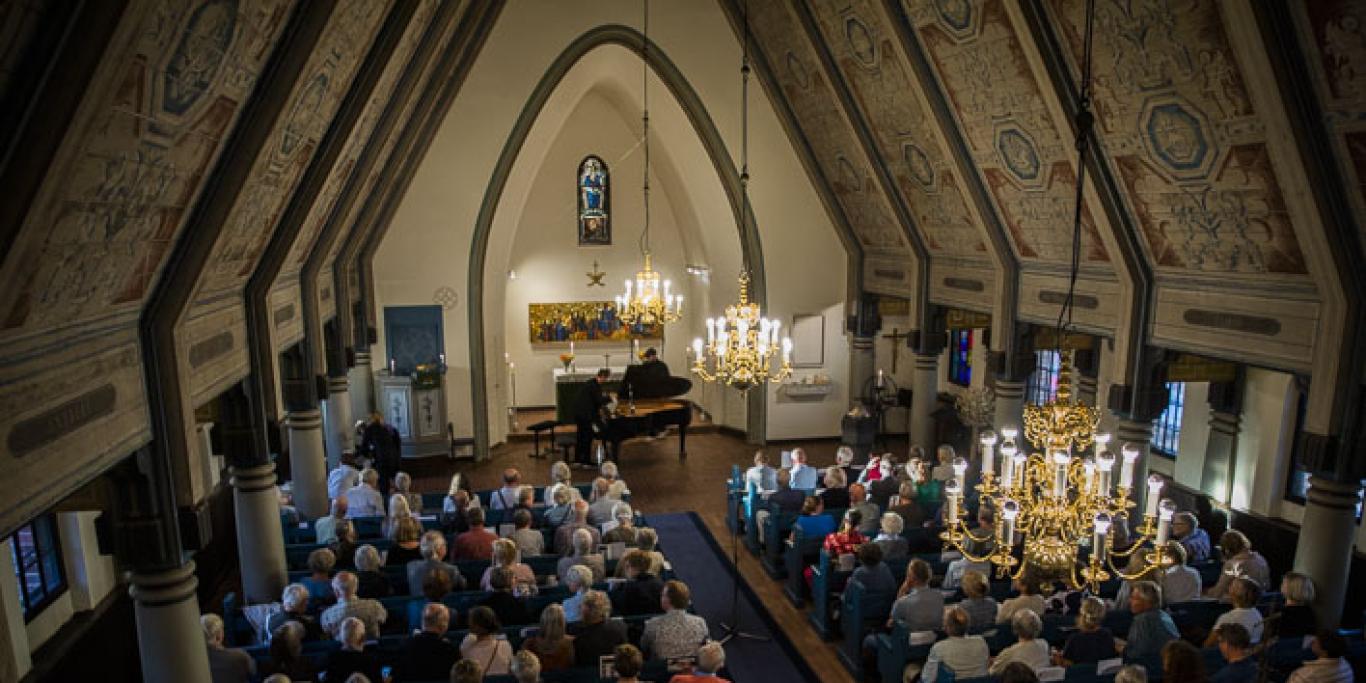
648, 299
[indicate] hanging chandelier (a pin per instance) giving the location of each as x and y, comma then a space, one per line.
742, 345
1058, 504
647, 300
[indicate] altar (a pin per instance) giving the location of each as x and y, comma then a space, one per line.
568, 384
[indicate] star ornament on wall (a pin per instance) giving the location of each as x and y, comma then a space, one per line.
595, 276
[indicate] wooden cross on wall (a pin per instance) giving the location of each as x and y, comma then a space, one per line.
896, 338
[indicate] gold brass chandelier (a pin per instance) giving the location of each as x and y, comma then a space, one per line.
742, 345
648, 299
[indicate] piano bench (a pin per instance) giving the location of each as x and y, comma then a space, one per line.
536, 430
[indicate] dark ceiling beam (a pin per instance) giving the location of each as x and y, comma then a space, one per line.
884, 176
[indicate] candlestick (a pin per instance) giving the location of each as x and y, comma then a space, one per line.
1126, 472
988, 441
1154, 489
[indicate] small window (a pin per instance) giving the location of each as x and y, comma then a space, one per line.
1167, 428
960, 357
1042, 386
38, 565
1297, 479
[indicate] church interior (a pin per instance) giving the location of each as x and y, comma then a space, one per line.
682, 340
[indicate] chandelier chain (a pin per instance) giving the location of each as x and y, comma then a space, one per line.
645, 119
1085, 121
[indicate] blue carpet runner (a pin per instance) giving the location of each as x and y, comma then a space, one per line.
704, 564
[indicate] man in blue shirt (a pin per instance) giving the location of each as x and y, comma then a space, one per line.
804, 476
1187, 530
814, 522
1152, 627
1235, 644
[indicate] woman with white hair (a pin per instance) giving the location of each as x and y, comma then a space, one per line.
398, 509
646, 541
372, 583
609, 471
225, 664
352, 657
294, 608
403, 484
844, 459
894, 545
560, 478
583, 554
1028, 649
505, 554
836, 493
625, 530
449, 504
1297, 617
526, 667
563, 509
579, 580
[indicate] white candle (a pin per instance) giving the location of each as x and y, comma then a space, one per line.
1165, 510
443, 358
1126, 472
787, 350
678, 303
1105, 462
711, 330
960, 469
951, 492
1019, 467
1088, 468
571, 347
1060, 460
1102, 522
393, 366
1009, 510
697, 348
1154, 490
1007, 464
635, 350
879, 378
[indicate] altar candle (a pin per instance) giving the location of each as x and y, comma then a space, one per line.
1154, 489
393, 366
988, 440
635, 350
1009, 511
1165, 510
571, 347
879, 378
1126, 472
1102, 529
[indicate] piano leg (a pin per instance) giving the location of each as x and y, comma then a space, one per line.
683, 442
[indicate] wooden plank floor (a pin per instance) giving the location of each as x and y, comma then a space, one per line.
661, 483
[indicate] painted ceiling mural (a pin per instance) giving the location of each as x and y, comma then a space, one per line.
883, 87
121, 187
1024, 156
342, 169
1176, 121
282, 161
1333, 33
799, 74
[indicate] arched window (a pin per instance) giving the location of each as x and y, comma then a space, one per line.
595, 205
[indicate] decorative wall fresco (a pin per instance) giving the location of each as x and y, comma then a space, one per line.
884, 88
1175, 118
1024, 156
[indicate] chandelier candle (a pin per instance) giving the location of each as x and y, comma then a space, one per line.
988, 440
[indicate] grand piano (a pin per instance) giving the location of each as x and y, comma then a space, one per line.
647, 403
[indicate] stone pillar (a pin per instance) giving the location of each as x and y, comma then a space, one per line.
1216, 479
1324, 553
308, 463
1009, 405
1140, 434
924, 397
170, 641
340, 432
362, 387
861, 365
260, 540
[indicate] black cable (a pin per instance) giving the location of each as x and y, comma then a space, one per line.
645, 119
1085, 122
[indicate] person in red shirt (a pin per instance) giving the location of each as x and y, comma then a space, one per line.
710, 658
477, 543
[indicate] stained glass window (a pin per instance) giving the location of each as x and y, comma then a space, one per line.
1167, 428
595, 193
38, 565
1042, 385
960, 357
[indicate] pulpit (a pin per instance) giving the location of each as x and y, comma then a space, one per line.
417, 409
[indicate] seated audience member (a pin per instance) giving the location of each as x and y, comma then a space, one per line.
1018, 672
917, 604
526, 667
882, 490
550, 644
761, 477
505, 555
579, 580
345, 545
608, 470
1179, 582
625, 530
436, 585
600, 510
344, 477
467, 671
858, 500
1330, 664
1240, 560
674, 633
1132, 673
805, 478
287, 654
477, 543
225, 664
372, 583
894, 545
844, 459
628, 663
486, 644
352, 657
1182, 663
560, 478
370, 612
1297, 616
1092, 642
455, 512
325, 529
403, 484
584, 554
1152, 627
407, 544
1244, 594
526, 499
872, 572
505, 498
294, 608
1028, 599
1236, 646
1186, 530
564, 535
364, 499
965, 655
427, 655
1028, 648
979, 605
813, 520
599, 635
509, 608
835, 495
640, 594
646, 540
847, 539
943, 466
786, 500
398, 509
433, 549
319, 581
710, 660
563, 509
907, 507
